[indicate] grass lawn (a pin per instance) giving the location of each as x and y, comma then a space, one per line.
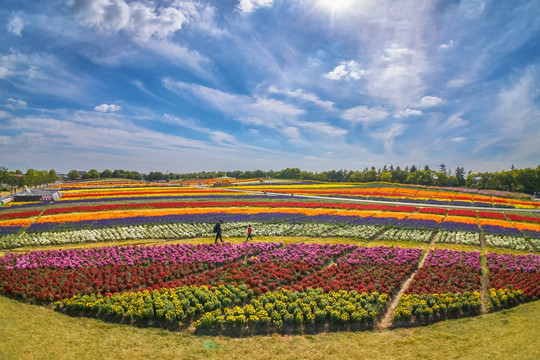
34, 332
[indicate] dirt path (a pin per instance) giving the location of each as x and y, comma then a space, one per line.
484, 290
386, 320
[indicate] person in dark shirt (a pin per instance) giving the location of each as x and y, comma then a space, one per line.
217, 230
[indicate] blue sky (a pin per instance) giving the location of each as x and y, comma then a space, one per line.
187, 85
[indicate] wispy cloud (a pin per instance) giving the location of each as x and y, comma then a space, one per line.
248, 6
346, 70
407, 113
300, 94
16, 26
108, 108
363, 114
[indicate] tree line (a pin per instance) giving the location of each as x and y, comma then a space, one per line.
518, 180
31, 178
525, 180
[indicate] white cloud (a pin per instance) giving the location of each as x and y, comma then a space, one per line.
455, 121
447, 45
407, 112
186, 123
456, 83
222, 137
16, 26
471, 9
248, 6
143, 21
15, 103
395, 52
300, 94
428, 101
388, 136
364, 114
517, 117
108, 108
321, 128
457, 139
252, 110
348, 70
4, 114
291, 132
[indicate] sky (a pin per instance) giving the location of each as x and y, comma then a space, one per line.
186, 86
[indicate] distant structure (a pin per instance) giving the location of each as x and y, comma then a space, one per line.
37, 195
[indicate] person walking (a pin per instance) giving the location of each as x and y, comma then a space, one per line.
249, 233
217, 230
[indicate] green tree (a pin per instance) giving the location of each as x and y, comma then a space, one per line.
386, 176
73, 174
105, 174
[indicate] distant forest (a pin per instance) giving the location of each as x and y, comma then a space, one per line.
517, 180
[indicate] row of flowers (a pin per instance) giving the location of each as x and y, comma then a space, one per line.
235, 226
428, 308
58, 274
232, 284
394, 193
226, 307
276, 212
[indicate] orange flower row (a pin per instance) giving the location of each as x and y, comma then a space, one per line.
494, 222
461, 219
424, 216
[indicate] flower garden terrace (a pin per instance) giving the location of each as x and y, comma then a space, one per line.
109, 212
459, 197
269, 287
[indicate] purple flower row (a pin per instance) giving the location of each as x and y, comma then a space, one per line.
446, 257
318, 254
499, 230
525, 263
6, 230
418, 223
454, 226
220, 253
381, 254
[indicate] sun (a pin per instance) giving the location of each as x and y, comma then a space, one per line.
336, 5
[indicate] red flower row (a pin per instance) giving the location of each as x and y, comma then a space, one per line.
460, 212
443, 279
383, 278
19, 215
529, 282
530, 219
53, 284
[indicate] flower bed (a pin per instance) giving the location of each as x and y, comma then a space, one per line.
420, 235
506, 241
458, 237
513, 278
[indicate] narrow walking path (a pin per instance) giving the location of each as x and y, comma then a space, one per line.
386, 320
484, 289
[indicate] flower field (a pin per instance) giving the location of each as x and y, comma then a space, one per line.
261, 287
399, 194
118, 211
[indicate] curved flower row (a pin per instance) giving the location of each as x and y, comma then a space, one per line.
236, 307
394, 193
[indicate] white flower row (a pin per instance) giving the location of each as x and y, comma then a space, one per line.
506, 241
184, 231
536, 243
458, 237
394, 234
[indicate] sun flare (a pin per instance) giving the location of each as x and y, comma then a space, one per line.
336, 5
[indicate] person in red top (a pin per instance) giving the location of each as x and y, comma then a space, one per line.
249, 233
